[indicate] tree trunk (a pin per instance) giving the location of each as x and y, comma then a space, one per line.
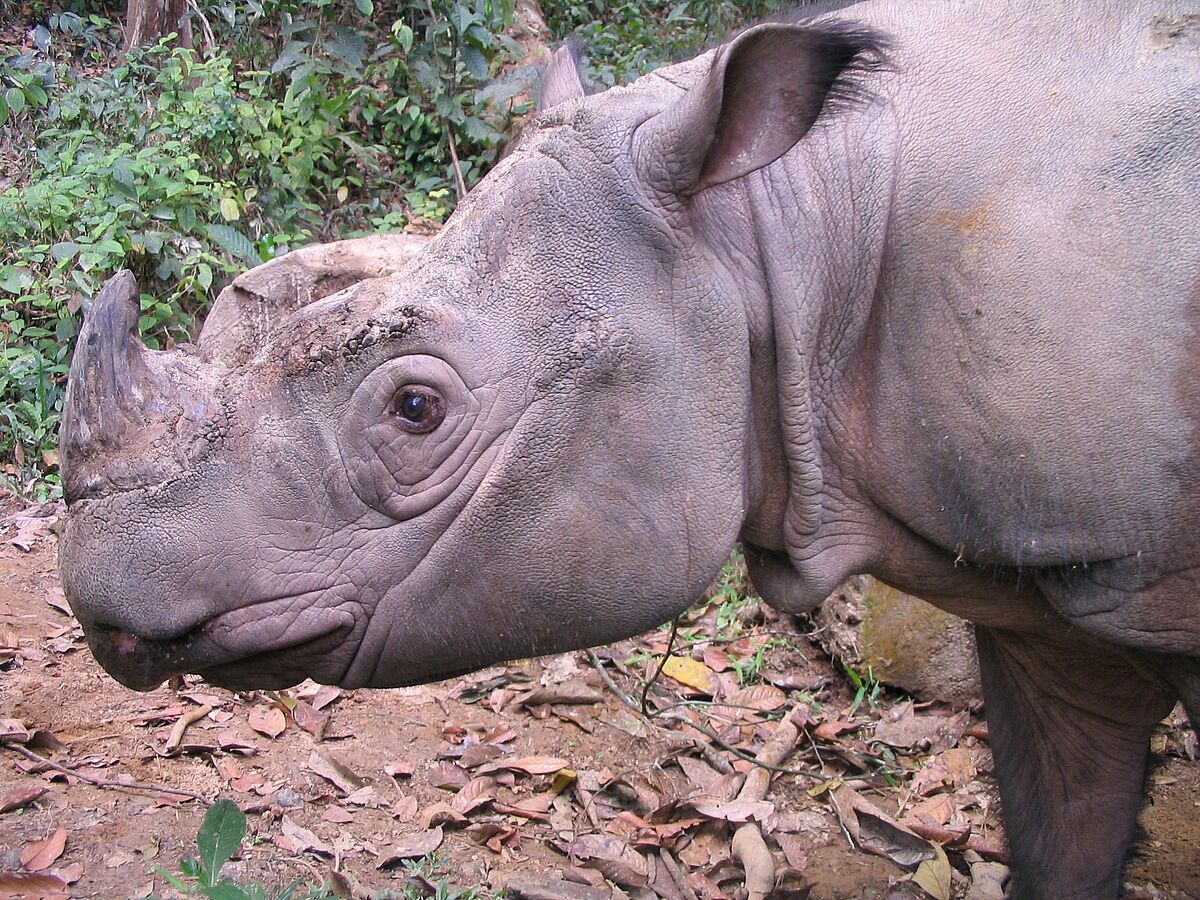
148, 20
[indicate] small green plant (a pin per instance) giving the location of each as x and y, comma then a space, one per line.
218, 839
427, 883
865, 688
750, 669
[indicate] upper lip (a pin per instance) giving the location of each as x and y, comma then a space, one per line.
143, 663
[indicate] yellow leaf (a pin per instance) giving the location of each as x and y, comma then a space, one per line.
563, 779
934, 875
691, 672
229, 209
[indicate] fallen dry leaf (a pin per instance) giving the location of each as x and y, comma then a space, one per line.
692, 673
933, 875
531, 765
876, 832
569, 692
267, 720
21, 797
32, 886
337, 774
296, 840
42, 854
448, 777
412, 846
475, 793
614, 859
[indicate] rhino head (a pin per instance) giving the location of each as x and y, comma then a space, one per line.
541, 432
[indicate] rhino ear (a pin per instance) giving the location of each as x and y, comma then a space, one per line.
764, 92
562, 79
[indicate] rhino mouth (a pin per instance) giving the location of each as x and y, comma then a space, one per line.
226, 655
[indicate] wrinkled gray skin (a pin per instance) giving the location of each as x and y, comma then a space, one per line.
926, 312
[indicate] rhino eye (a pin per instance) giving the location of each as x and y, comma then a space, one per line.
419, 409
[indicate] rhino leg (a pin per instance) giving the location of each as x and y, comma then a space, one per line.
1070, 723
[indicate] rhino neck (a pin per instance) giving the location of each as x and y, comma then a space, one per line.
818, 222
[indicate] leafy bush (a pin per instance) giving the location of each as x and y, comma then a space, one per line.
186, 168
626, 40
309, 120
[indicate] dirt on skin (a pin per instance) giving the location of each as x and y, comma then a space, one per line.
392, 740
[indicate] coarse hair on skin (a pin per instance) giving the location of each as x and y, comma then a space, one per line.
848, 53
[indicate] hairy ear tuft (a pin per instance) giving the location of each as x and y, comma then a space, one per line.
765, 91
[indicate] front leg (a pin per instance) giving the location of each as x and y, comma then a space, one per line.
1070, 723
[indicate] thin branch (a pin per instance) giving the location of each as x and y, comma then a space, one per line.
103, 782
181, 727
459, 184
662, 664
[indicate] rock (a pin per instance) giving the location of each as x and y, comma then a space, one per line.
906, 642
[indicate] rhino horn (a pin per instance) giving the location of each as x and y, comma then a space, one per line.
133, 415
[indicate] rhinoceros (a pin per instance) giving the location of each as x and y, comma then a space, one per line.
906, 289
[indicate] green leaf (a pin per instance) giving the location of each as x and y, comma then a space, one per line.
229, 209
64, 250
404, 35
3, 110
16, 100
475, 62
219, 837
186, 219
190, 867
225, 890
465, 16
233, 242
366, 7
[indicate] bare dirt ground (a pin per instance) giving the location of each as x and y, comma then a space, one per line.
507, 780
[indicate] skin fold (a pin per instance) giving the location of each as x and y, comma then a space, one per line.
908, 290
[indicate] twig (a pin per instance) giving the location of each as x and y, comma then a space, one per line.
677, 874
206, 32
749, 848
188, 718
103, 782
459, 184
661, 665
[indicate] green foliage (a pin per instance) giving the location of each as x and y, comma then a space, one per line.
309, 120
865, 688
220, 835
425, 883
625, 40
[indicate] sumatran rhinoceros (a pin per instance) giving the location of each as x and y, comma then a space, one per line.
906, 289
